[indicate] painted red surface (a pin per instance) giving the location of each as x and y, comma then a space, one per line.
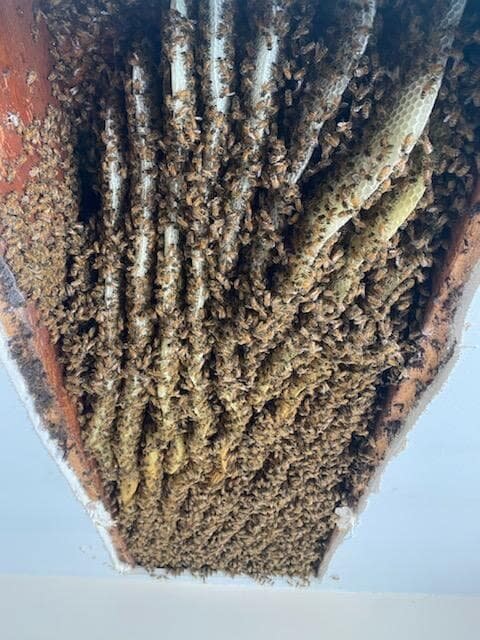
25, 93
24, 87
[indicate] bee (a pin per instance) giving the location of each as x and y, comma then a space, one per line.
429, 85
31, 77
384, 173
287, 70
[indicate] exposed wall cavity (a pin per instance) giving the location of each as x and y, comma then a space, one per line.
237, 265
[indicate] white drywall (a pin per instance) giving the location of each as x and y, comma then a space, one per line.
419, 533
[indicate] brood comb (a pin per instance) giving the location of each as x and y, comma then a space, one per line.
233, 239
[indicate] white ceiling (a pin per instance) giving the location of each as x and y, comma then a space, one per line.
107, 609
420, 533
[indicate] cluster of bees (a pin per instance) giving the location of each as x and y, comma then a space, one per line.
256, 198
37, 225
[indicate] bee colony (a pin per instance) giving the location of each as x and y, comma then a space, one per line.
235, 268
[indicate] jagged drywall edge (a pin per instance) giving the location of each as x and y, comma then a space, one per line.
103, 521
346, 517
400, 442
94, 508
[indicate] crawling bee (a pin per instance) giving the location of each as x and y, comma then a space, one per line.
187, 273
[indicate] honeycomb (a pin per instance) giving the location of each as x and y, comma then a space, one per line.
236, 267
